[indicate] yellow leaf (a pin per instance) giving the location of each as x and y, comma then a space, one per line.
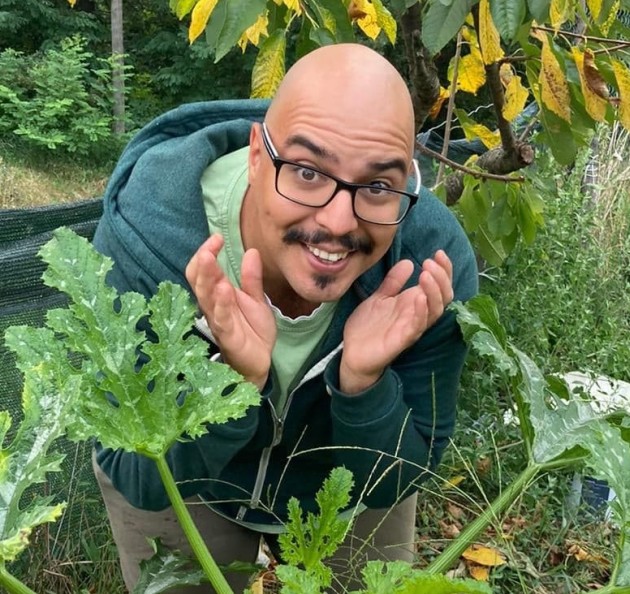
595, 7
368, 22
252, 35
554, 88
478, 572
474, 131
622, 75
516, 94
199, 19
592, 83
453, 482
471, 73
489, 39
385, 19
72, 2
293, 5
269, 67
481, 555
435, 108
560, 11
611, 18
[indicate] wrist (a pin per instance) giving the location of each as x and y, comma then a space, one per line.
353, 382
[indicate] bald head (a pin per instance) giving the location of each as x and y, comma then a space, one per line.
350, 81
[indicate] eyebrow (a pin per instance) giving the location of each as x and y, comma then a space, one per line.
319, 151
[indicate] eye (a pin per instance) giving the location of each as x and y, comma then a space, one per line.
306, 174
378, 188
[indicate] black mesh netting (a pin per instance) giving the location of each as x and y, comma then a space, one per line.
24, 299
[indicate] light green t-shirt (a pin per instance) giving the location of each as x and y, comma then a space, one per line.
223, 186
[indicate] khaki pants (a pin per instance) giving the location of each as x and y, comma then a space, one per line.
377, 534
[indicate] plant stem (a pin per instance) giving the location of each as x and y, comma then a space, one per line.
210, 568
453, 552
12, 584
619, 557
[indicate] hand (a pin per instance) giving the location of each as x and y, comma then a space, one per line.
241, 320
390, 321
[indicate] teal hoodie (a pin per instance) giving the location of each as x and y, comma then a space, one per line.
390, 436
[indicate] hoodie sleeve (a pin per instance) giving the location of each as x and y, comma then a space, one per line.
395, 432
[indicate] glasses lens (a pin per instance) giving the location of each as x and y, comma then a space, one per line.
379, 205
305, 185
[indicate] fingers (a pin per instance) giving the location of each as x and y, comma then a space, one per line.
437, 284
395, 280
252, 275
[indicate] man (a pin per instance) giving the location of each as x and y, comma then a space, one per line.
322, 279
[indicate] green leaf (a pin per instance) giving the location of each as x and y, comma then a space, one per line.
48, 400
610, 461
442, 23
297, 581
554, 427
308, 542
138, 394
269, 67
229, 20
539, 9
508, 16
529, 213
501, 221
167, 569
425, 583
333, 16
386, 578
385, 20
182, 7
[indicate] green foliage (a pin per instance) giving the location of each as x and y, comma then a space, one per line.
101, 328
565, 298
165, 570
307, 543
58, 101
442, 21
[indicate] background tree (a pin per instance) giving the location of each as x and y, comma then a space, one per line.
517, 52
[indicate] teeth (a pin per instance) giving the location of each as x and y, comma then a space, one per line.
328, 256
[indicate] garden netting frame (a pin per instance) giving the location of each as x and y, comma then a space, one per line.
24, 300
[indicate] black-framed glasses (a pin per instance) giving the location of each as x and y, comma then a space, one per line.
311, 187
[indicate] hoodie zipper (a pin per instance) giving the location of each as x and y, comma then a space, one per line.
277, 420
278, 428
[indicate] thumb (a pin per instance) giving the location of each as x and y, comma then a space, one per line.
252, 275
395, 280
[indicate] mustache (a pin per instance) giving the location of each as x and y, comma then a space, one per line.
348, 242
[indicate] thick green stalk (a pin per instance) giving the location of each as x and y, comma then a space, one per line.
619, 557
210, 568
12, 585
612, 589
453, 552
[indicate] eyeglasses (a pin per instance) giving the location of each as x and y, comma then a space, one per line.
308, 186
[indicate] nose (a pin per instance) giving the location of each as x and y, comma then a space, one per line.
338, 215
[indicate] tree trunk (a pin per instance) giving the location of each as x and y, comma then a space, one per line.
118, 66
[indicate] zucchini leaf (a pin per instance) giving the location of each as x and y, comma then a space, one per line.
145, 380
49, 393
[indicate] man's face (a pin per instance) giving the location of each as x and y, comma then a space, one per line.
315, 254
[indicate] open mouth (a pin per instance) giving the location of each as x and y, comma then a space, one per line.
325, 256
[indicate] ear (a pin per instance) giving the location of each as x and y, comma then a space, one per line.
256, 150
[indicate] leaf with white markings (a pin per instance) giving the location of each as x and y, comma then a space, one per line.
553, 423
48, 396
138, 394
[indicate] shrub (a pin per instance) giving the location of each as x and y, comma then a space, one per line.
55, 99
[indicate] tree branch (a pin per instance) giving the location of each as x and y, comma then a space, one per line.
423, 78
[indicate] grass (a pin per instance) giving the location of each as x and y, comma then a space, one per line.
564, 301
34, 178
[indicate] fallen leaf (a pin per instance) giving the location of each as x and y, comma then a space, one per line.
453, 482
449, 530
482, 555
479, 572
